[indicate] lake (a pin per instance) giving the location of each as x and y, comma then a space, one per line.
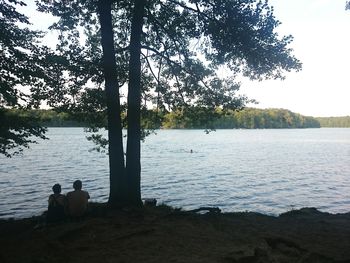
267, 171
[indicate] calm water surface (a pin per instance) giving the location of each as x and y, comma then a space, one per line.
268, 171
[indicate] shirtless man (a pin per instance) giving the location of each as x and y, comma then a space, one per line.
77, 200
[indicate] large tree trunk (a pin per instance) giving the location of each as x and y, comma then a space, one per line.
133, 163
118, 184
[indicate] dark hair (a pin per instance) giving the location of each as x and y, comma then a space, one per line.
56, 188
77, 185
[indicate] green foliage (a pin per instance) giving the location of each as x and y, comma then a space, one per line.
195, 118
17, 131
23, 66
80, 51
191, 118
46, 118
334, 122
176, 34
249, 118
241, 33
19, 54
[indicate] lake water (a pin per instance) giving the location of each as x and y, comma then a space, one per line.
268, 171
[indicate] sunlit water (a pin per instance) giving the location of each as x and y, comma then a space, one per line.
268, 171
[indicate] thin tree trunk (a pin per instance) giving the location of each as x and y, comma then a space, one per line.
133, 163
118, 184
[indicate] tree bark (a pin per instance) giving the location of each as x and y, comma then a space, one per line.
133, 156
118, 183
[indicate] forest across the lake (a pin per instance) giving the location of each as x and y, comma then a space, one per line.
199, 118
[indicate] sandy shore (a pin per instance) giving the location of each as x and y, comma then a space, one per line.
162, 234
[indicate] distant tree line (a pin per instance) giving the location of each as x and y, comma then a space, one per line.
46, 118
248, 118
334, 122
198, 118
201, 118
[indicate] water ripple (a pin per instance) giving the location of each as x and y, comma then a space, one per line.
269, 171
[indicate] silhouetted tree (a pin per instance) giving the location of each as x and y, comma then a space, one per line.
169, 52
118, 183
238, 34
23, 64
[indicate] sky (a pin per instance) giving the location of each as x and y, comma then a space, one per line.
321, 31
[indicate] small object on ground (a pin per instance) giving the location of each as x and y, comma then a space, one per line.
150, 202
209, 209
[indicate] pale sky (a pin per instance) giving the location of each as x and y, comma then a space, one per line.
321, 30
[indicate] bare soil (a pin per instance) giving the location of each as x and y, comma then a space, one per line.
163, 234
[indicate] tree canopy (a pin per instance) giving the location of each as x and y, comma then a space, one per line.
22, 65
183, 45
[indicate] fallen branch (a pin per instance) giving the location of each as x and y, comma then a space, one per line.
216, 210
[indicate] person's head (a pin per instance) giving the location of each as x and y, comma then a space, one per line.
56, 189
77, 185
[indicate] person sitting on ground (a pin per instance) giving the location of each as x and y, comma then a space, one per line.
77, 201
57, 202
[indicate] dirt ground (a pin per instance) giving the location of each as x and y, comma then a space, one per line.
163, 234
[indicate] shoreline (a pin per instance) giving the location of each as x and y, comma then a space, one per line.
100, 209
165, 234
